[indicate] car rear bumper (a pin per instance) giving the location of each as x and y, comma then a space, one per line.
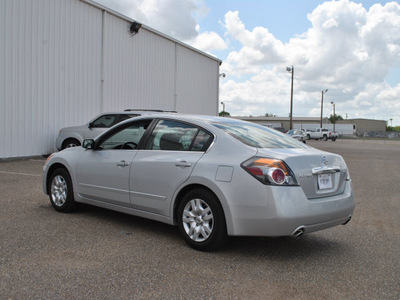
287, 210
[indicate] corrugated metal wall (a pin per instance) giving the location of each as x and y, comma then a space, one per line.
139, 69
197, 83
51, 62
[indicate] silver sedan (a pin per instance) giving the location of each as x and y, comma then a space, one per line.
212, 177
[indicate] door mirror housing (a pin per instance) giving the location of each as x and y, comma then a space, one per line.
88, 144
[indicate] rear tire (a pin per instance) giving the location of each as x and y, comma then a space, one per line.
201, 220
61, 192
70, 143
325, 138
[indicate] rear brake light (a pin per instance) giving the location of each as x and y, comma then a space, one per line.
269, 171
277, 175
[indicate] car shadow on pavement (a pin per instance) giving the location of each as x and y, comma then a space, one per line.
127, 223
312, 244
255, 247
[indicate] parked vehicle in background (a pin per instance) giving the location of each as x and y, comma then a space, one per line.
306, 131
212, 177
322, 134
297, 134
74, 136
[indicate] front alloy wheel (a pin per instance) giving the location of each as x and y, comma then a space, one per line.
61, 192
70, 143
201, 220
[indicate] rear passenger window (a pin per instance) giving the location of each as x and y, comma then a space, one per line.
176, 136
202, 141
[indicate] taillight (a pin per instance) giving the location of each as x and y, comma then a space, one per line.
269, 171
277, 175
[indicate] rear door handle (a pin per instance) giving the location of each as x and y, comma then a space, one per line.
122, 163
183, 164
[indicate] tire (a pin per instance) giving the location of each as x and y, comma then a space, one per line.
61, 192
333, 139
325, 138
70, 143
308, 136
201, 220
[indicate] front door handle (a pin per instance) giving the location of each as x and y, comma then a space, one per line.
122, 163
183, 164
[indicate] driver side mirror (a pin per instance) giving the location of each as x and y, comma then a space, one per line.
88, 144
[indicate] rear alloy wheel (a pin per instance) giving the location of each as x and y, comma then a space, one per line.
201, 220
70, 144
61, 192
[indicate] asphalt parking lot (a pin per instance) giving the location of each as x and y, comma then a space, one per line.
98, 254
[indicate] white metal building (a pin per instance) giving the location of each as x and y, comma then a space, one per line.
62, 62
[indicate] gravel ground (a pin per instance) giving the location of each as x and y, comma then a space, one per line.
99, 254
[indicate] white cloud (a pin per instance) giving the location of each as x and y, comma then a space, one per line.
259, 45
208, 41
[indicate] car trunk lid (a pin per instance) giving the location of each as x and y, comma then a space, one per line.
320, 174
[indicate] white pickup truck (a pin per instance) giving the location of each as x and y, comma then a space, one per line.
322, 134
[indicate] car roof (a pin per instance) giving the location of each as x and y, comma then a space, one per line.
135, 112
193, 118
150, 110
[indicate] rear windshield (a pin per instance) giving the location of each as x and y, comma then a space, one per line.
259, 136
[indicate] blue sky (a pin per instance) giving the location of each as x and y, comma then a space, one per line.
350, 47
284, 18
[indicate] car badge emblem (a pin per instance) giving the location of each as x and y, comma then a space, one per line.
324, 160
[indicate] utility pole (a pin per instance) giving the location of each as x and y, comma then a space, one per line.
322, 104
291, 69
334, 115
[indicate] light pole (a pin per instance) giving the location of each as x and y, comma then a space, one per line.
291, 69
334, 115
322, 104
223, 108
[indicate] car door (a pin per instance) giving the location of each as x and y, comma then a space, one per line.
171, 153
103, 173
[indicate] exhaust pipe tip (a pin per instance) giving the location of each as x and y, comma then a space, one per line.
298, 232
348, 220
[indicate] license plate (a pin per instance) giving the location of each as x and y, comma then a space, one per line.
325, 181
